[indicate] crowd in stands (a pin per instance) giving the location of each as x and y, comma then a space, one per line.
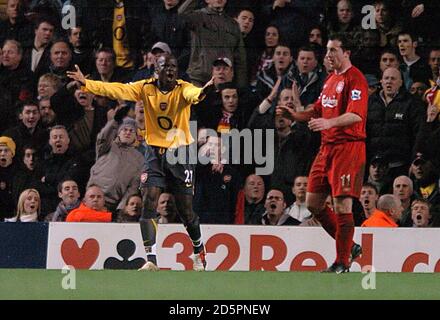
69, 155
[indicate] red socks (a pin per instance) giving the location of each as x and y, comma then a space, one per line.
341, 228
344, 237
328, 220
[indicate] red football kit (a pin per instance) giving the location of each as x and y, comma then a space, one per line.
339, 166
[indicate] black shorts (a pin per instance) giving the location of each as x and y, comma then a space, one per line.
160, 172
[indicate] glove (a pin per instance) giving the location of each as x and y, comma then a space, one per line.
121, 114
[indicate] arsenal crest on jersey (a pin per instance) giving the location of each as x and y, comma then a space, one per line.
163, 106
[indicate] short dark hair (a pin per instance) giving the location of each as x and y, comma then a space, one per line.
60, 184
412, 34
371, 186
307, 48
106, 50
346, 42
45, 19
227, 85
22, 104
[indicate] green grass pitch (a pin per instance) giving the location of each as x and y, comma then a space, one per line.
189, 285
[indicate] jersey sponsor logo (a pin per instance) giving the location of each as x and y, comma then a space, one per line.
329, 102
356, 95
340, 87
398, 116
163, 106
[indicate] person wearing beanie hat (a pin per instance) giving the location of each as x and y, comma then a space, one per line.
8, 170
127, 131
8, 142
119, 165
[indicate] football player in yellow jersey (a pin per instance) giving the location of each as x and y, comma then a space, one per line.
167, 105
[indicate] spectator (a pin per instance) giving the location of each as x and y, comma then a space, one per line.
82, 54
418, 89
388, 59
132, 210
293, 18
386, 22
120, 25
60, 60
403, 188
434, 63
170, 28
37, 57
265, 60
166, 209
81, 114
222, 38
344, 22
29, 129
92, 208
298, 210
48, 84
15, 26
420, 214
426, 180
413, 68
308, 75
317, 35
149, 61
68, 192
119, 165
245, 18
7, 173
294, 149
55, 166
28, 207
378, 174
14, 75
217, 185
388, 213
275, 206
266, 79
393, 120
368, 200
47, 114
428, 139
106, 70
250, 204
373, 84
366, 57
25, 176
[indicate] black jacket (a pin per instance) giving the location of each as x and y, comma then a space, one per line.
167, 26
22, 136
54, 168
7, 204
392, 129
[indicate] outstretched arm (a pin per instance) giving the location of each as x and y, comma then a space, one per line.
302, 116
112, 90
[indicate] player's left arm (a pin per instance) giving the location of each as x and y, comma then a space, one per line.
356, 111
346, 119
194, 94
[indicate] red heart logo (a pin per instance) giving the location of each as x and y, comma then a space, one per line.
80, 258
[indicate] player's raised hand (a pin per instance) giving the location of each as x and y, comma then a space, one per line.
319, 124
77, 75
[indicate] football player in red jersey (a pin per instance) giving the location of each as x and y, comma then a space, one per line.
340, 115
